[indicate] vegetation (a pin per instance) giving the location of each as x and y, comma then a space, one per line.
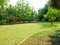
53, 11
51, 15
14, 34
22, 13
42, 12
46, 37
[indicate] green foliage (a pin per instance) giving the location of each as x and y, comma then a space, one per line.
3, 2
42, 11
22, 12
52, 14
11, 14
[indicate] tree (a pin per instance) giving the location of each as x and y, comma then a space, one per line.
41, 12
11, 14
28, 12
24, 11
51, 15
3, 3
21, 12
34, 15
58, 15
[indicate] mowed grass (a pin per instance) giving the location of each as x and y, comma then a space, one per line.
14, 34
50, 36
46, 37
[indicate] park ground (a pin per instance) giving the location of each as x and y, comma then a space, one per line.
17, 33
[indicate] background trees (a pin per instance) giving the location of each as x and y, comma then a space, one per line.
22, 12
51, 15
41, 12
3, 4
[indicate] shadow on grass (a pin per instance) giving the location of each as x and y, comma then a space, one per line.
1, 24
6, 24
17, 23
47, 25
55, 39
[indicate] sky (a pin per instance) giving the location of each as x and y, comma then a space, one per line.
36, 4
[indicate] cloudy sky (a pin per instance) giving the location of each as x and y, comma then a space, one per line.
36, 4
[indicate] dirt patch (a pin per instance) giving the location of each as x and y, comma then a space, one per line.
37, 41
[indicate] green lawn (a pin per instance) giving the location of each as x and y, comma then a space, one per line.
14, 34
49, 36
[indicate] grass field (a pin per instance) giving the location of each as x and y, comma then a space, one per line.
14, 34
47, 37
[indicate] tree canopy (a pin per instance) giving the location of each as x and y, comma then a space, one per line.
22, 12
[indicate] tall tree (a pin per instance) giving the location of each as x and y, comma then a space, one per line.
21, 9
42, 11
3, 3
51, 15
28, 12
11, 14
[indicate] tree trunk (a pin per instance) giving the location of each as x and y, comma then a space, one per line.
55, 4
